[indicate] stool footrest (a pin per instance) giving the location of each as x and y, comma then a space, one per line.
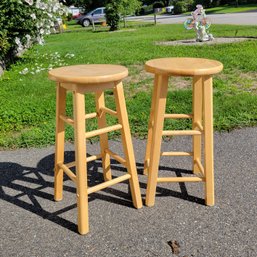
116, 157
177, 154
67, 119
108, 183
109, 111
68, 172
181, 132
178, 116
199, 125
179, 179
90, 115
70, 121
88, 159
200, 166
102, 131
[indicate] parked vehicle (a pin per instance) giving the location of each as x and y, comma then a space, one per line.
96, 16
170, 9
75, 11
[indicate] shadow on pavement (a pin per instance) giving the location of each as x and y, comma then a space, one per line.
36, 184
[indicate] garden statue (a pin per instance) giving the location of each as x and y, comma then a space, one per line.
200, 23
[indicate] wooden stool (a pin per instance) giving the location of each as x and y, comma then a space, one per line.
91, 78
202, 121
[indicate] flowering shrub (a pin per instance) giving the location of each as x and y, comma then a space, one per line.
24, 22
55, 60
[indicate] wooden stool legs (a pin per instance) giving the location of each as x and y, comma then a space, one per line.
202, 123
127, 145
101, 118
161, 84
197, 108
80, 159
150, 127
59, 141
80, 154
208, 140
79, 123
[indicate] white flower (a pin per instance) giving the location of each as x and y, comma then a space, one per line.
33, 16
40, 40
30, 2
28, 37
42, 6
24, 71
17, 41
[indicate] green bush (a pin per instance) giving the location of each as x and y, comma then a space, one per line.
182, 6
24, 22
112, 14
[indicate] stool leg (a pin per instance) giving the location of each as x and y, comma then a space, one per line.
197, 117
159, 111
101, 119
59, 141
208, 140
80, 158
127, 145
150, 129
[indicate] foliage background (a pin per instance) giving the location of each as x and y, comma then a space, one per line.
24, 22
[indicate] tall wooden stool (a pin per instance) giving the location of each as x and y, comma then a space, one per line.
201, 70
81, 79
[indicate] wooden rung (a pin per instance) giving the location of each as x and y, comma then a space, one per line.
102, 131
199, 125
176, 154
70, 164
116, 157
108, 183
90, 115
200, 166
178, 116
109, 111
68, 120
88, 159
181, 132
93, 157
180, 179
68, 172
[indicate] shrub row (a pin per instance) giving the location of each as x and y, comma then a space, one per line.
25, 22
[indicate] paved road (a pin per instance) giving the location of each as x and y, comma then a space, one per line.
32, 224
249, 18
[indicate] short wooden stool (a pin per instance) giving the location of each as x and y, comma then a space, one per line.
201, 70
81, 79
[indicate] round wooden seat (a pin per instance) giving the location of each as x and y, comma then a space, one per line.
183, 66
89, 74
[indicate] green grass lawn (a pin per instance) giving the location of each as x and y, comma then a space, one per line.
232, 9
27, 110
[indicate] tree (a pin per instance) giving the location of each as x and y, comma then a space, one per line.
117, 8
112, 14
128, 7
86, 4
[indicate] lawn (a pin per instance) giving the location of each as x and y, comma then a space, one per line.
27, 110
232, 9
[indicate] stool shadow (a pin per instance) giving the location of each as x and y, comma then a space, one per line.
162, 192
36, 184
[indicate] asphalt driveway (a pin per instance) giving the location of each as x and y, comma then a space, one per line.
246, 18
32, 224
